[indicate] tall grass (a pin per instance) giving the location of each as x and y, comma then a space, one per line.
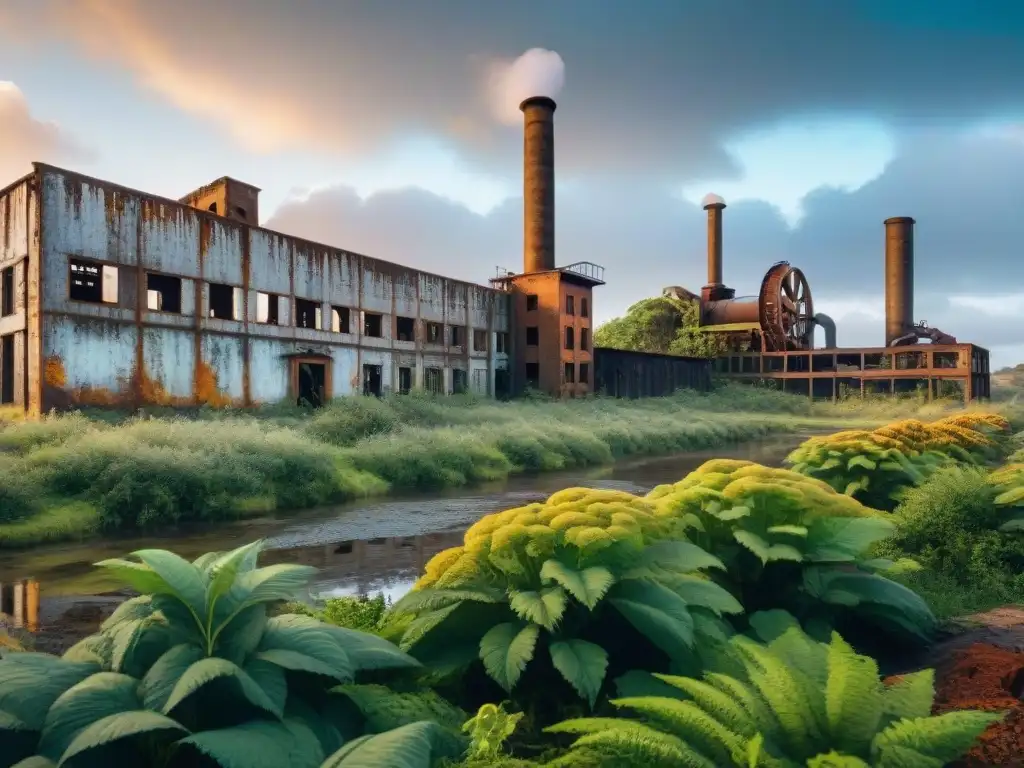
116, 472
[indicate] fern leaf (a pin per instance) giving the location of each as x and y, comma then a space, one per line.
545, 607
942, 737
910, 697
689, 723
719, 705
425, 624
588, 586
638, 744
422, 600
582, 664
853, 697
836, 760
506, 650
904, 757
754, 705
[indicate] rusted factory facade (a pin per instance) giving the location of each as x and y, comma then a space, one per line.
110, 296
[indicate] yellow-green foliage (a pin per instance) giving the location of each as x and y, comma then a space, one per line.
1008, 482
794, 702
532, 577
760, 521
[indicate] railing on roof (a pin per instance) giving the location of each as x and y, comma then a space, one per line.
587, 269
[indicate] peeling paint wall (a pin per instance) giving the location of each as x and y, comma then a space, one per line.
123, 352
17, 204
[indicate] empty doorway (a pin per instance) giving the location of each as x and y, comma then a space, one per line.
372, 380
312, 384
7, 369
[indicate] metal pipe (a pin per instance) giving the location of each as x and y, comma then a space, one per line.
714, 205
828, 325
538, 184
899, 277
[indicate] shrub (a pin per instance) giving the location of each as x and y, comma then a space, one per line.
361, 613
792, 702
194, 667
791, 542
568, 577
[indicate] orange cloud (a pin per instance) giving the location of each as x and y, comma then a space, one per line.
24, 139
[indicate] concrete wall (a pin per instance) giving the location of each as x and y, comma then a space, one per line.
620, 373
17, 240
114, 353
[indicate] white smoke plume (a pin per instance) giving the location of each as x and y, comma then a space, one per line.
538, 72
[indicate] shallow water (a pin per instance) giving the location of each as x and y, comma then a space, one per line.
366, 546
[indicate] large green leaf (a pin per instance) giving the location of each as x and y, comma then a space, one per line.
844, 539
36, 761
206, 671
765, 551
138, 576
289, 636
17, 740
411, 746
582, 664
135, 608
31, 682
264, 585
222, 571
544, 607
96, 697
94, 649
242, 635
159, 681
506, 650
588, 586
424, 624
138, 643
681, 556
697, 591
366, 651
115, 728
259, 744
271, 678
656, 612
420, 600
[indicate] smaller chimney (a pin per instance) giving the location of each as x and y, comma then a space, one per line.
899, 277
538, 184
714, 205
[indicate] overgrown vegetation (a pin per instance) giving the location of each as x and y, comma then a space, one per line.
75, 475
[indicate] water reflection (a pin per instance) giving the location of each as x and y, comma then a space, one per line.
19, 604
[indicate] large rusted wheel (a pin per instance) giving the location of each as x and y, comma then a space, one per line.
785, 309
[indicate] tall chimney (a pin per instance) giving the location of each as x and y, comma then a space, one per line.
538, 184
714, 205
899, 277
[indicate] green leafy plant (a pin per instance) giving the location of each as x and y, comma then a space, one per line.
793, 702
792, 542
488, 731
195, 667
576, 581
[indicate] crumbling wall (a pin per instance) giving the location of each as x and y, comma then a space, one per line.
16, 208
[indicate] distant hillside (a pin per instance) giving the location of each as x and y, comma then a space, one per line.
1008, 382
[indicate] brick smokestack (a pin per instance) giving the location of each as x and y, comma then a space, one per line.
538, 184
899, 277
714, 205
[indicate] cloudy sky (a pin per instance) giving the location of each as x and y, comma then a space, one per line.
381, 126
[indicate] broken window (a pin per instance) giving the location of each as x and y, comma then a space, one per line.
373, 325
7, 292
457, 334
570, 305
96, 283
533, 375
225, 301
308, 314
531, 302
570, 337
7, 369
163, 293
584, 339
584, 373
372, 380
501, 343
433, 380
405, 328
404, 380
570, 373
460, 381
584, 308
479, 341
268, 308
434, 333
341, 320
212, 208
532, 336
240, 212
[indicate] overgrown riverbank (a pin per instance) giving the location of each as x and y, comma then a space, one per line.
77, 475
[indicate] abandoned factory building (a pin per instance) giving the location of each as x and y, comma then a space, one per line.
110, 296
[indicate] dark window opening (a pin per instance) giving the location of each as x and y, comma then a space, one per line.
7, 369
212, 207
372, 379
340, 319
570, 373
533, 375
240, 212
460, 381
373, 325
96, 283
532, 336
222, 302
163, 293
570, 305
531, 302
312, 384
434, 333
457, 334
584, 373
570, 338
584, 339
405, 329
268, 308
404, 380
308, 314
584, 308
501, 343
433, 380
479, 341
345, 548
502, 384
7, 292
